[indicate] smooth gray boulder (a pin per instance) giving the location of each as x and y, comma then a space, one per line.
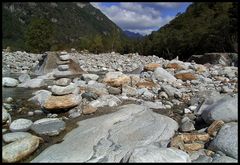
110, 137
226, 140
48, 126
19, 149
60, 90
154, 154
161, 75
20, 125
24, 77
9, 82
40, 97
13, 136
33, 83
225, 108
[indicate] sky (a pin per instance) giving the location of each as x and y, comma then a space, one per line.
141, 17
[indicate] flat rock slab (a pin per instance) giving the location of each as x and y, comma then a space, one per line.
155, 154
110, 137
48, 126
19, 149
13, 136
227, 140
60, 90
62, 82
20, 125
62, 102
65, 57
63, 67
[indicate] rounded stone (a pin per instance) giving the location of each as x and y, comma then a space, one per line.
20, 125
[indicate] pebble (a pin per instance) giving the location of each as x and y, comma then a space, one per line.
20, 125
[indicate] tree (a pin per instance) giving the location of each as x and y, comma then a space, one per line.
38, 35
97, 44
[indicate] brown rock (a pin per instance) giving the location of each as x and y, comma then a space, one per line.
89, 109
193, 147
117, 82
151, 66
185, 76
62, 102
214, 127
175, 66
188, 137
146, 84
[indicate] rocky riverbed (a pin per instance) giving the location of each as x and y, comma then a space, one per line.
117, 108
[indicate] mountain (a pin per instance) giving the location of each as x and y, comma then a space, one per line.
132, 34
64, 25
204, 27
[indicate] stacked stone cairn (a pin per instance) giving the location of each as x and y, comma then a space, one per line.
64, 92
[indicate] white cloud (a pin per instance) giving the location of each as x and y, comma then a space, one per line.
137, 17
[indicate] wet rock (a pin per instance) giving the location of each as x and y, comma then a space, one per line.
106, 100
9, 82
20, 125
19, 149
63, 82
214, 127
40, 97
116, 79
151, 66
89, 110
13, 136
224, 109
152, 153
222, 141
161, 75
48, 126
129, 91
33, 83
114, 91
60, 90
23, 78
88, 77
62, 102
115, 135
